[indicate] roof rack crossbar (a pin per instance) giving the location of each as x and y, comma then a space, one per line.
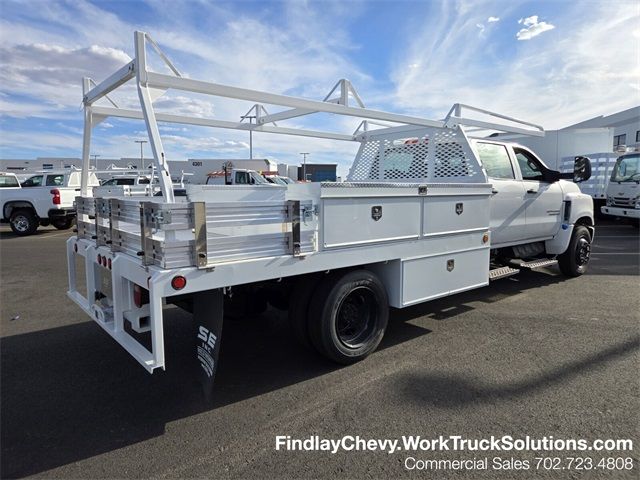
151, 84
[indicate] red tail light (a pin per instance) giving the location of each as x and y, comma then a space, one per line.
56, 196
178, 282
140, 295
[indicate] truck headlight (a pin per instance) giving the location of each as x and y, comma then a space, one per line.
609, 200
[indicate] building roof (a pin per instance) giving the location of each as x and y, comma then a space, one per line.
614, 120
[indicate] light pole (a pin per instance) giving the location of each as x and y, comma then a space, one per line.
141, 142
251, 118
95, 160
304, 165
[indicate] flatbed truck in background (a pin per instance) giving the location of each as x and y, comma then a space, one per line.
623, 191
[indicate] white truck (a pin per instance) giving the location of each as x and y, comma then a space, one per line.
623, 192
425, 212
44, 198
236, 176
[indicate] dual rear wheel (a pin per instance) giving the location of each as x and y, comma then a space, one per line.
343, 315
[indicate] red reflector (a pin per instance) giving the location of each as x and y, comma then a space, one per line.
75, 247
137, 295
178, 282
104, 261
109, 264
140, 295
99, 259
56, 196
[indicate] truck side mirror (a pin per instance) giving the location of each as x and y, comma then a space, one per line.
581, 169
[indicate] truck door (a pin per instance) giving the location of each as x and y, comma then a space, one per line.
508, 224
543, 198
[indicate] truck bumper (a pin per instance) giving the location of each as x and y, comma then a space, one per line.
621, 212
61, 213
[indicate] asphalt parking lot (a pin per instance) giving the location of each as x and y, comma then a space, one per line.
536, 354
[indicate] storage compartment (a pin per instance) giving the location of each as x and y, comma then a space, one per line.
357, 221
433, 277
417, 280
450, 214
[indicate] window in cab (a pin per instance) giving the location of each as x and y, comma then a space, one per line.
495, 160
529, 165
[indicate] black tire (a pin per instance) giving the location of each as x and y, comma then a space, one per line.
62, 223
574, 261
23, 222
298, 311
348, 316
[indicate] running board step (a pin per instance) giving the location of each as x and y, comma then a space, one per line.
545, 262
502, 272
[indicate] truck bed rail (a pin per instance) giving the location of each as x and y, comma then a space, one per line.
197, 234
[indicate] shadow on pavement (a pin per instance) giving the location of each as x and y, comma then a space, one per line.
71, 392
452, 391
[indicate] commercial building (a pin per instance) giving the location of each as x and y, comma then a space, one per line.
625, 124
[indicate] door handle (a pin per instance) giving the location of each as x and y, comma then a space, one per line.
532, 190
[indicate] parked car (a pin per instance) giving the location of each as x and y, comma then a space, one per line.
43, 199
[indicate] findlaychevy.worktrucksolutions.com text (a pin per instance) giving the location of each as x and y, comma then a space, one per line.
505, 443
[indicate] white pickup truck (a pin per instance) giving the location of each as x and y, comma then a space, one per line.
44, 198
426, 212
236, 176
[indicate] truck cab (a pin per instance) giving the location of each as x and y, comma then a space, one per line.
534, 208
623, 192
527, 196
129, 180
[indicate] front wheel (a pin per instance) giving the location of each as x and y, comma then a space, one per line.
573, 262
23, 222
348, 316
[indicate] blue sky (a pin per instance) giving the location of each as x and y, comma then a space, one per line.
551, 62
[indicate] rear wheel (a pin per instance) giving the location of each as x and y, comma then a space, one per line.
573, 262
348, 316
62, 223
23, 222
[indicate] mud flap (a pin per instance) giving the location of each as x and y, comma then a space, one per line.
207, 316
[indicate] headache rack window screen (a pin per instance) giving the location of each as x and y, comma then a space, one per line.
434, 155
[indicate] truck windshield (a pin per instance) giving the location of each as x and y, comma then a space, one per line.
257, 178
627, 169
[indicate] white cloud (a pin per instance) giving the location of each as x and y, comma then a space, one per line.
553, 83
493, 19
294, 55
534, 28
52, 74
